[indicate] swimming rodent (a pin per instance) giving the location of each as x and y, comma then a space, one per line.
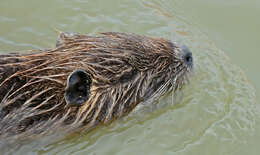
86, 81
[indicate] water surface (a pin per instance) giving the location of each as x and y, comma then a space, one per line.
218, 114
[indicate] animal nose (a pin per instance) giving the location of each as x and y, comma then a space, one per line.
187, 56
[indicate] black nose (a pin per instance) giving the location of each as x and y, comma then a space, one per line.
187, 56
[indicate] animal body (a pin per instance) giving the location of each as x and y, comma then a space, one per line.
86, 81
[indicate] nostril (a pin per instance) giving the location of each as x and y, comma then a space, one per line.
188, 58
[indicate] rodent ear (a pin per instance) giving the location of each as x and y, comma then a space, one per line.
77, 91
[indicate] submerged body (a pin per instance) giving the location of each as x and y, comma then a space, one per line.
86, 81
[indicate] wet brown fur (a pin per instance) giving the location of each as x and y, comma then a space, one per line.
126, 70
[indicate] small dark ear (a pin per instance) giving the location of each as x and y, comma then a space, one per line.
77, 91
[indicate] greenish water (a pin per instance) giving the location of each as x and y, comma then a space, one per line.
219, 111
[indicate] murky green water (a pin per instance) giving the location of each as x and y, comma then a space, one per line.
219, 113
